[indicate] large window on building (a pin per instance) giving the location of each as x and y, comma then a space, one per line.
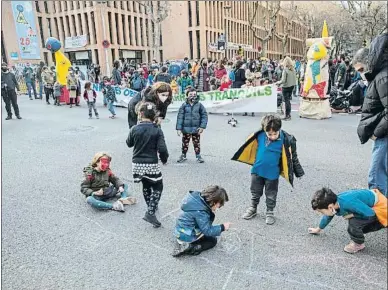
37, 6
110, 27
68, 26
124, 29
198, 44
62, 25
41, 30
49, 27
87, 24
191, 45
130, 29
141, 31
73, 25
94, 26
78, 5
161, 55
136, 31
190, 13
80, 24
116, 28
160, 35
46, 7
147, 32
97, 57
56, 26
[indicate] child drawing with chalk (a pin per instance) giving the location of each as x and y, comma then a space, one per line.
366, 211
100, 185
194, 231
272, 153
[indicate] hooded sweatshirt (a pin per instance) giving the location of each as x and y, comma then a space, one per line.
196, 219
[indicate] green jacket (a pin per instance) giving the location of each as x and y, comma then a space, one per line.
288, 78
95, 180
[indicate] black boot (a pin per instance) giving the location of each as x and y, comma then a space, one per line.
9, 117
152, 220
18, 116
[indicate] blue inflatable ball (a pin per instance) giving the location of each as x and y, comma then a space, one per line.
53, 44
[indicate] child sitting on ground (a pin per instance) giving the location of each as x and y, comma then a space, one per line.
365, 209
194, 230
100, 184
191, 121
271, 152
90, 96
147, 140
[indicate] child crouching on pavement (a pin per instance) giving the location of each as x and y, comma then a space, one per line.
100, 184
194, 230
365, 209
147, 140
191, 121
271, 152
90, 96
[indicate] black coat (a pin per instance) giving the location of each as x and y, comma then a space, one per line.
374, 118
191, 117
147, 140
239, 78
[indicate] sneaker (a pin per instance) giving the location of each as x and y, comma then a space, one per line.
180, 249
128, 200
152, 220
270, 218
200, 159
251, 212
90, 117
19, 117
353, 248
287, 118
31, 99
97, 117
182, 158
118, 206
8, 118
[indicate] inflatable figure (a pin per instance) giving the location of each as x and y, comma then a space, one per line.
315, 103
62, 63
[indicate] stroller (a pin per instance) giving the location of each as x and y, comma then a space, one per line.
344, 99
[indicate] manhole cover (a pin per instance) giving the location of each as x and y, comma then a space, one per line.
79, 129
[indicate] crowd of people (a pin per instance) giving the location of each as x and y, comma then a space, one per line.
270, 151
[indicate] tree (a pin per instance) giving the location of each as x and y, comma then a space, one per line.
287, 24
157, 16
269, 22
369, 16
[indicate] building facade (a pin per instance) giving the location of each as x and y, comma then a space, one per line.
191, 30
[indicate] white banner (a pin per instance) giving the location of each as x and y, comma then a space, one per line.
76, 41
252, 99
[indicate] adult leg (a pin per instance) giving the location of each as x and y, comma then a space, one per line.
14, 101
29, 88
41, 90
287, 100
257, 187
47, 93
33, 84
7, 101
378, 171
271, 192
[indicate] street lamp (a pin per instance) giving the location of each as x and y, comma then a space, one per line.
227, 9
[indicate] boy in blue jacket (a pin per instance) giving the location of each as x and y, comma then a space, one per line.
194, 230
365, 209
191, 121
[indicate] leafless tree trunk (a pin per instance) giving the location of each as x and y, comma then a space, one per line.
270, 17
287, 24
157, 16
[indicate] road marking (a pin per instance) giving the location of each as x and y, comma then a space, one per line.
228, 279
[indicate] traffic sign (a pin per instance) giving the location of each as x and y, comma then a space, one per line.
105, 43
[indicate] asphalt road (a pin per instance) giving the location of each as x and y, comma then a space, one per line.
51, 239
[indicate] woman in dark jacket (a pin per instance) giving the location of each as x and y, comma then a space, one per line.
239, 76
160, 94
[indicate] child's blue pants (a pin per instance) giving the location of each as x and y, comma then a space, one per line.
99, 201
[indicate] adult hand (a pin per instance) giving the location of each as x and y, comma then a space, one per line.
121, 189
314, 231
227, 226
99, 192
179, 132
200, 130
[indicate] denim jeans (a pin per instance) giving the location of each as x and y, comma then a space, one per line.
378, 171
111, 107
40, 89
99, 201
31, 86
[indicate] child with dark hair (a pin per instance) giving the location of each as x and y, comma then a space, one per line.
100, 184
90, 96
110, 95
191, 121
365, 209
147, 140
271, 152
102, 86
194, 230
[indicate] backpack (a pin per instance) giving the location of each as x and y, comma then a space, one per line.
137, 83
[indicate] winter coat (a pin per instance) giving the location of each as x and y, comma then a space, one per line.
39, 73
220, 72
72, 82
288, 78
138, 82
201, 83
86, 95
191, 117
48, 78
110, 93
9, 79
175, 70
289, 162
185, 82
374, 118
239, 78
95, 180
147, 139
29, 75
340, 74
163, 77
116, 77
196, 219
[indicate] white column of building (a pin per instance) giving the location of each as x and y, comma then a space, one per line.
120, 28
133, 36
126, 35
